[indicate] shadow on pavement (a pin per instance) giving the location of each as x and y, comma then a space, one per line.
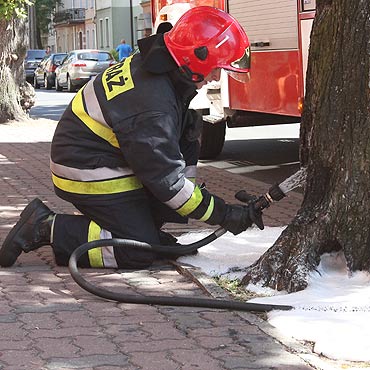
53, 112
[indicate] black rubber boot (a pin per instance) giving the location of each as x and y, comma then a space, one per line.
32, 231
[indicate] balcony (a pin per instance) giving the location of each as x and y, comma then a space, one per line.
70, 16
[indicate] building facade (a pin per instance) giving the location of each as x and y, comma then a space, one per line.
69, 25
101, 24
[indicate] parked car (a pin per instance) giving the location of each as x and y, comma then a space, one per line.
31, 61
45, 72
79, 66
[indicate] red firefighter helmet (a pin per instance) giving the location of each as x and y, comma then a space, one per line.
205, 38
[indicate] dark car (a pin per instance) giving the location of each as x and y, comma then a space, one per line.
31, 61
79, 66
45, 72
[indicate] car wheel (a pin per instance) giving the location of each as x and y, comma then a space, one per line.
70, 86
57, 86
35, 83
47, 83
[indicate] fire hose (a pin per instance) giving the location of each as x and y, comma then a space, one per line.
275, 193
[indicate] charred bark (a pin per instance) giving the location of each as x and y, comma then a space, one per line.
16, 95
335, 148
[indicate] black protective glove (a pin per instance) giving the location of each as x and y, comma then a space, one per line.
238, 218
256, 216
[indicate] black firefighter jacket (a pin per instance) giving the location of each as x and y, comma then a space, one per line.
122, 132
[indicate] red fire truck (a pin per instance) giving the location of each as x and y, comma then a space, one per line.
279, 33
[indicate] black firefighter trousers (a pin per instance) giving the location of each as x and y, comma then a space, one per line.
138, 219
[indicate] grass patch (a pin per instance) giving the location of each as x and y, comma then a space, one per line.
235, 289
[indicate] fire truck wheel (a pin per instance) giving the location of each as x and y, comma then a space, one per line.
212, 140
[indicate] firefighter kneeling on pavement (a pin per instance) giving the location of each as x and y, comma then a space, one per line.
125, 151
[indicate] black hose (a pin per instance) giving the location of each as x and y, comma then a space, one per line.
160, 300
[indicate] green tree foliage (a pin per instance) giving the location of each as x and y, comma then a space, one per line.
13, 8
44, 10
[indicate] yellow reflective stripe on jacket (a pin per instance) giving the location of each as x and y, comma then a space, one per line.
95, 255
95, 126
209, 211
192, 203
98, 187
182, 196
89, 174
92, 105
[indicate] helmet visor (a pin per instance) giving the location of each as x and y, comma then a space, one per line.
239, 69
242, 77
243, 63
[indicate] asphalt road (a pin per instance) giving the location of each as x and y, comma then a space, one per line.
50, 104
265, 153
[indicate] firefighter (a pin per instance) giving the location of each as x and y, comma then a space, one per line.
124, 152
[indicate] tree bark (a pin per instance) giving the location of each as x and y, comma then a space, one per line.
16, 95
335, 148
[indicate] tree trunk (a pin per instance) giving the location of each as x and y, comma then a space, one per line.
16, 95
335, 148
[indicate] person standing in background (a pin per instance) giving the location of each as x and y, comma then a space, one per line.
124, 50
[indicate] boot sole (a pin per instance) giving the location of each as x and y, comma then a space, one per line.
24, 216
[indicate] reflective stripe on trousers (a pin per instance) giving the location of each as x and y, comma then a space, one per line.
103, 256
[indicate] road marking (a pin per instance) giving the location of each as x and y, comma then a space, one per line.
242, 167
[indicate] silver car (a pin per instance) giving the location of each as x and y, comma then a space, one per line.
79, 66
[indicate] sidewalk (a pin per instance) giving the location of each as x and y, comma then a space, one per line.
49, 322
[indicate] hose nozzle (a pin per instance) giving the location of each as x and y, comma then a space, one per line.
263, 201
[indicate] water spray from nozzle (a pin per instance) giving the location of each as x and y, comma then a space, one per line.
275, 193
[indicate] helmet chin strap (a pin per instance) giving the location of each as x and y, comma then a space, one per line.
190, 75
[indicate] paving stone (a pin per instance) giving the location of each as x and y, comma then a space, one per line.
95, 344
84, 362
56, 347
149, 361
196, 359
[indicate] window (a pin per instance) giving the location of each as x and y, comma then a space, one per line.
308, 5
88, 39
93, 39
99, 56
35, 54
107, 31
80, 40
101, 33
